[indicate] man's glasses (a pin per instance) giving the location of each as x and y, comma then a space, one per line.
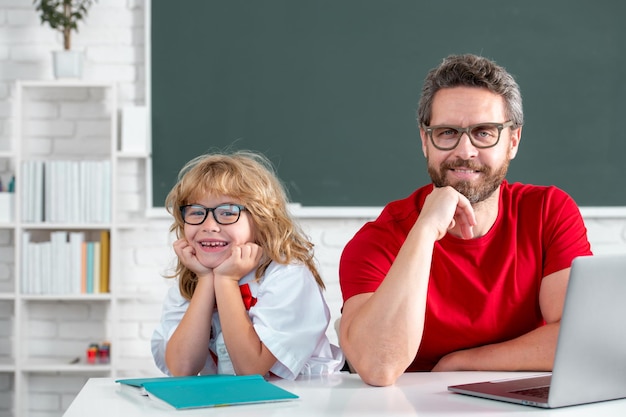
483, 135
195, 214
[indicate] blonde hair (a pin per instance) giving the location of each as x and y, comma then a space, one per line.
250, 178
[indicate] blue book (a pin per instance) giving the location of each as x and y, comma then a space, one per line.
90, 255
209, 390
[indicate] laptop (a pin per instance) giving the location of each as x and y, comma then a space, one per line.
590, 360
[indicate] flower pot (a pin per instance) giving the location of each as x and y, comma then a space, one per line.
68, 64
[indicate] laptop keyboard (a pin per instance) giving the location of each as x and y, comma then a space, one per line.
538, 392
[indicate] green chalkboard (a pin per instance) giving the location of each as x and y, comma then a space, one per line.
328, 89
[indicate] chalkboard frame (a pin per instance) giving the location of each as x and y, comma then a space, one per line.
533, 154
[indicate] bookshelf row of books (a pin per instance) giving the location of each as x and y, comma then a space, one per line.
59, 191
68, 263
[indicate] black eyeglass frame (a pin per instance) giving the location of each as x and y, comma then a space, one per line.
212, 211
467, 130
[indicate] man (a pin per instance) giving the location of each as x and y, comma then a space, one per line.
469, 272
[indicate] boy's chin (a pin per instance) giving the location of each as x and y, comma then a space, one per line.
212, 262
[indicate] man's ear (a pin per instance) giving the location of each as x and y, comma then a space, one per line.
424, 138
516, 137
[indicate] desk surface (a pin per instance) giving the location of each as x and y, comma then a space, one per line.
423, 394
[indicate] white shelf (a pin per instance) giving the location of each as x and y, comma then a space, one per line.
132, 155
65, 226
65, 324
63, 83
7, 365
63, 365
66, 297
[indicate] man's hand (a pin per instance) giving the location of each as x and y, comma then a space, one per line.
446, 209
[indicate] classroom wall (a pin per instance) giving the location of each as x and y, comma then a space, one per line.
114, 40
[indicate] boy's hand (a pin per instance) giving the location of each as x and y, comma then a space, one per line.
243, 259
187, 255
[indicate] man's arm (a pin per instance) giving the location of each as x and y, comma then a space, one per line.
380, 332
533, 351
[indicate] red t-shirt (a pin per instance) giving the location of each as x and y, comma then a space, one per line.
483, 290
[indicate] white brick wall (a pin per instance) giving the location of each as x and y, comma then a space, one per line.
113, 38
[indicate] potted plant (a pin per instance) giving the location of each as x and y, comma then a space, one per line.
64, 15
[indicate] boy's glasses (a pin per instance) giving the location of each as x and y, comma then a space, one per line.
195, 214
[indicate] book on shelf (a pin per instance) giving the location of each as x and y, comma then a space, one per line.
85, 204
201, 391
60, 191
58, 278
89, 269
65, 264
83, 268
105, 245
38, 198
26, 264
96, 268
44, 263
32, 195
76, 267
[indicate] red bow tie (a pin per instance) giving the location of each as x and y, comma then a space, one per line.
246, 295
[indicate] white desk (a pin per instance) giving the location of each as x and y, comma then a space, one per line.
423, 394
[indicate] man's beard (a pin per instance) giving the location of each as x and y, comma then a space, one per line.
474, 192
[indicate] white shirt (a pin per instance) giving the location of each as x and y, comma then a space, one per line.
290, 317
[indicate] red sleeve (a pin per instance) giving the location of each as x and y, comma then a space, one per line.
565, 234
364, 262
366, 259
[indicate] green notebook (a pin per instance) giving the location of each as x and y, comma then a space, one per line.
209, 390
